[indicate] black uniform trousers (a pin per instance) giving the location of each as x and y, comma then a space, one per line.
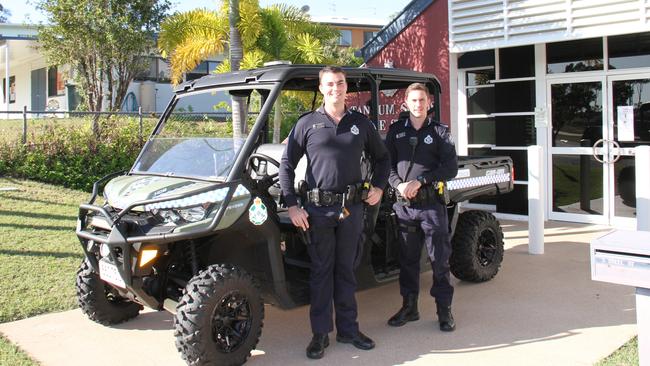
428, 225
335, 253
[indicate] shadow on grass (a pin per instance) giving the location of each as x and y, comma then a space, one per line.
33, 253
18, 198
39, 227
36, 215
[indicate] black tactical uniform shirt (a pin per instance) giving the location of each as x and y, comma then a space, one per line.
435, 156
333, 153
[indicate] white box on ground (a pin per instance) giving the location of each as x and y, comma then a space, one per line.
622, 257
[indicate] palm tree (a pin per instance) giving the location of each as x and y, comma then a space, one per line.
254, 35
239, 108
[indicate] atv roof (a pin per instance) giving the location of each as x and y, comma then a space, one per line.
305, 77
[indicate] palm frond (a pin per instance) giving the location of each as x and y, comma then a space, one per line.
175, 29
191, 52
252, 60
223, 67
307, 49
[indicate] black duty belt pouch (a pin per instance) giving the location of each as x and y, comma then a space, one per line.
441, 193
427, 195
355, 193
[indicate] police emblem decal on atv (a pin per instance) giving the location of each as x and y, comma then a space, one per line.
354, 130
428, 140
257, 213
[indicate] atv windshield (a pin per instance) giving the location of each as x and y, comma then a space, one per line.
195, 140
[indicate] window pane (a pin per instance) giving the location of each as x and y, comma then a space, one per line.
576, 114
517, 62
479, 77
628, 51
346, 37
634, 93
481, 131
515, 202
577, 184
480, 100
573, 56
476, 59
367, 35
518, 96
515, 131
164, 74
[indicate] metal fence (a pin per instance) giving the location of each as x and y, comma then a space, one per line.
17, 124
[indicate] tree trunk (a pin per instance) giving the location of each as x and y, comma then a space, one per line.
239, 108
277, 121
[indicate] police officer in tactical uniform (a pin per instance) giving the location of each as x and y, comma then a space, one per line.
422, 155
333, 138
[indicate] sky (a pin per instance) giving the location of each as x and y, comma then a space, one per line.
381, 10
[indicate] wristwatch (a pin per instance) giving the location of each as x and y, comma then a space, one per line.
421, 179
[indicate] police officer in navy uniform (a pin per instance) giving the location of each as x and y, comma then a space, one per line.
422, 154
333, 138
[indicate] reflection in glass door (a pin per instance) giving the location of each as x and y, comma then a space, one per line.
577, 114
629, 127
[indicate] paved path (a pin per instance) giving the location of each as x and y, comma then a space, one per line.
539, 310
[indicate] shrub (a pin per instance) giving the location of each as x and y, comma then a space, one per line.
74, 157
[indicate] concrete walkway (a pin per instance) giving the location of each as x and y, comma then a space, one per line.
539, 310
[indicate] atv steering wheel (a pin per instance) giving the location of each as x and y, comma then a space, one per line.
259, 163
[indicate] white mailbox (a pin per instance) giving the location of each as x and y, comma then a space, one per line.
622, 257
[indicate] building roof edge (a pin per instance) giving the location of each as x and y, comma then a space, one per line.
395, 27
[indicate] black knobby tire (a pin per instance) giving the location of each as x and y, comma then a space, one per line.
477, 247
219, 318
99, 301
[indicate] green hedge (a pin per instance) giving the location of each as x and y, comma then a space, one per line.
74, 157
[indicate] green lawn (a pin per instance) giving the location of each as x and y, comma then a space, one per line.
39, 256
39, 253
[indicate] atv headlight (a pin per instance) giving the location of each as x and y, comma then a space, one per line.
167, 215
192, 214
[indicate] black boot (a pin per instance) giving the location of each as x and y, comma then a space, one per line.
316, 348
408, 312
445, 318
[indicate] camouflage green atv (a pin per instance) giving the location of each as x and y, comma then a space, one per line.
197, 226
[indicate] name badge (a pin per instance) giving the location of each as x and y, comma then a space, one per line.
318, 125
400, 135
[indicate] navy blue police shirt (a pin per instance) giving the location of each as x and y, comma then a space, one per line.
435, 155
333, 153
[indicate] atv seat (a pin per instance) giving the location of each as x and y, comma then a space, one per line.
275, 151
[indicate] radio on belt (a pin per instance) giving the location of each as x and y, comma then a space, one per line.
622, 257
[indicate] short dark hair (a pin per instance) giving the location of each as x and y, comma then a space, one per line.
331, 69
416, 86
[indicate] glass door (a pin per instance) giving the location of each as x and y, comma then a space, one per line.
629, 126
577, 151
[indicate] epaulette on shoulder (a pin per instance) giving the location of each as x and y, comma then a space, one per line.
396, 124
440, 128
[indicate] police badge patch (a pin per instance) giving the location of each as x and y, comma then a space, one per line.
428, 140
257, 213
354, 130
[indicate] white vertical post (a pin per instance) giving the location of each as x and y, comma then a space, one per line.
535, 200
642, 174
643, 324
7, 84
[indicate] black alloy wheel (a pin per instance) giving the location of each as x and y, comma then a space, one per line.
231, 322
